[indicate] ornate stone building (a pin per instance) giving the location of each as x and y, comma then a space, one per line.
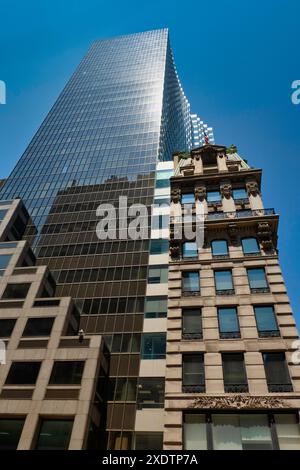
231, 381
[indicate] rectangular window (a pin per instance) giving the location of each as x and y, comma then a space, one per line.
234, 373
189, 250
219, 248
277, 373
288, 431
241, 432
158, 247
223, 282
228, 323
250, 246
125, 389
8, 245
160, 221
38, 327
195, 432
213, 196
160, 200
148, 441
266, 321
3, 213
188, 198
158, 274
66, 373
151, 392
240, 193
257, 280
54, 434
153, 346
16, 291
163, 178
191, 323
4, 261
190, 282
156, 307
23, 373
10, 433
6, 327
193, 376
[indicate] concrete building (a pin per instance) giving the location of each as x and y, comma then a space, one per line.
231, 382
52, 379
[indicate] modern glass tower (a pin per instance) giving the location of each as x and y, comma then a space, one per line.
122, 112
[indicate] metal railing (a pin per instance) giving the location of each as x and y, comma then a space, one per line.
229, 215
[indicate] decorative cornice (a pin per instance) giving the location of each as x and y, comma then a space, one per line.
239, 402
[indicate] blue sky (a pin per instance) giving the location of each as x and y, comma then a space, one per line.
236, 61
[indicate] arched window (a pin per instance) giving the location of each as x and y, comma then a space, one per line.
219, 248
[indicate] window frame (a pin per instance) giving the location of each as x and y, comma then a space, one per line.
224, 291
267, 333
242, 387
222, 255
186, 292
281, 387
229, 334
258, 290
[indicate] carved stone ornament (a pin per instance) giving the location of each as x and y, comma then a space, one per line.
264, 231
225, 188
175, 195
174, 249
200, 193
233, 233
252, 188
239, 402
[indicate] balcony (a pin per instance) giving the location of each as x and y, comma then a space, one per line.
193, 388
225, 292
192, 336
236, 388
220, 215
273, 388
230, 335
239, 214
269, 334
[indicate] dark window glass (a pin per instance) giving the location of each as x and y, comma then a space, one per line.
153, 346
277, 373
125, 389
266, 321
223, 280
189, 250
250, 246
4, 261
3, 213
219, 248
10, 433
16, 291
38, 327
156, 307
151, 392
228, 323
23, 373
213, 196
257, 279
158, 274
148, 441
193, 376
8, 245
239, 193
54, 434
188, 198
158, 247
66, 373
6, 327
159, 200
234, 372
190, 282
191, 323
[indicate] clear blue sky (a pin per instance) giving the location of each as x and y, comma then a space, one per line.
236, 61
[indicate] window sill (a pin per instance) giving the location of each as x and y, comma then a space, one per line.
225, 292
236, 388
193, 388
232, 335
260, 290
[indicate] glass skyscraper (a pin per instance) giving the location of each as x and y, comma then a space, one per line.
122, 112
